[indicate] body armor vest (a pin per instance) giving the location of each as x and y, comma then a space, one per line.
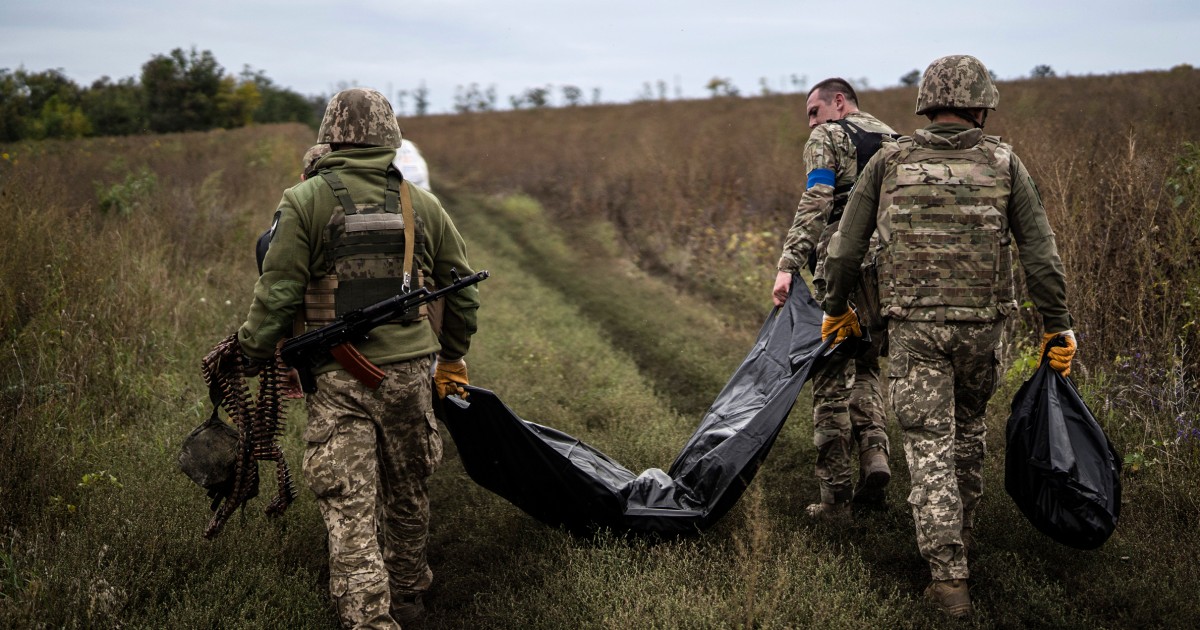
948, 253
370, 252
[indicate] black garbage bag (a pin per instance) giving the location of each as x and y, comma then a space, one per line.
1059, 467
562, 481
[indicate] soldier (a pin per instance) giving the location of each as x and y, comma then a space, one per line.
340, 244
947, 202
847, 401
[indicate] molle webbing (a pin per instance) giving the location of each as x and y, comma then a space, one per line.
371, 248
947, 215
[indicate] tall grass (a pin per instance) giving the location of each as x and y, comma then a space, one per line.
105, 313
704, 190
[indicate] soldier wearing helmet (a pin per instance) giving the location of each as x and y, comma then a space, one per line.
947, 203
340, 244
849, 422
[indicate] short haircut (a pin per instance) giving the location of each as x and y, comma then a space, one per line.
835, 85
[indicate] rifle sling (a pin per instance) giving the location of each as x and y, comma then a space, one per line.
410, 233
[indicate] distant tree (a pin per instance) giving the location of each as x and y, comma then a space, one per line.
276, 104
421, 99
236, 102
180, 91
764, 87
992, 73
58, 119
595, 96
516, 101
662, 89
401, 106
1042, 71
572, 95
115, 109
913, 77
473, 99
538, 97
800, 82
647, 93
721, 87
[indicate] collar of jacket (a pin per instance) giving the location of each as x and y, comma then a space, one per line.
948, 136
368, 157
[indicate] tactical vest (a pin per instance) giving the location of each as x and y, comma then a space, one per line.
948, 254
370, 253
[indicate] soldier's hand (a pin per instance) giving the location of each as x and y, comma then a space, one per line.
841, 326
450, 377
1060, 356
783, 287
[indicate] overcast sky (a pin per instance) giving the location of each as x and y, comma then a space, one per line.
615, 45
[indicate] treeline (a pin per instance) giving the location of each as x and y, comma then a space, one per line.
180, 91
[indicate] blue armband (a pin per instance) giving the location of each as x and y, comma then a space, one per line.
821, 176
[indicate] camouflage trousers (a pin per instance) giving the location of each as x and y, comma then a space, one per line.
848, 419
368, 458
940, 377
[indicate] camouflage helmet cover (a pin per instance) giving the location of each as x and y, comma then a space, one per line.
957, 82
359, 116
314, 153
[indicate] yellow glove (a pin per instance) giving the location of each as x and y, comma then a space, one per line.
843, 326
450, 377
1060, 356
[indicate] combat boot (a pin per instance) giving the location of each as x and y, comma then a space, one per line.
408, 610
951, 596
828, 511
873, 476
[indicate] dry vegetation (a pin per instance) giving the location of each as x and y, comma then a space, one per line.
121, 254
704, 190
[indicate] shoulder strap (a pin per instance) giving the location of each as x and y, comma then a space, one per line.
339, 190
410, 228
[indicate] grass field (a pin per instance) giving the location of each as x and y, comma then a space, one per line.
129, 258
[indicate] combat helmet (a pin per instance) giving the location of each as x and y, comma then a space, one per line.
956, 82
359, 116
209, 454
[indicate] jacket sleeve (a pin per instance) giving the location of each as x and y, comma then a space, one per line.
1045, 278
816, 203
450, 253
849, 244
279, 291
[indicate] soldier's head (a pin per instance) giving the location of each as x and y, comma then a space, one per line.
314, 153
831, 99
957, 86
359, 117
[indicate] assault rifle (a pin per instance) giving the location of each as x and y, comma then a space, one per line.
315, 347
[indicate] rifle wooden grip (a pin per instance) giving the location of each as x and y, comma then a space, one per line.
357, 365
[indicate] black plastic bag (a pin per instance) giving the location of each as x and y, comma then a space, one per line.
562, 481
1059, 467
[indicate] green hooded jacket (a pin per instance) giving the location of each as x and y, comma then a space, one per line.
297, 254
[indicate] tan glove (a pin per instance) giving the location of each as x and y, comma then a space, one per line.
1060, 356
450, 377
843, 326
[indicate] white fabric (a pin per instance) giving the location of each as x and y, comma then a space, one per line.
412, 165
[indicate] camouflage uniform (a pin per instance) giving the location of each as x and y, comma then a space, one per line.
369, 452
935, 200
848, 414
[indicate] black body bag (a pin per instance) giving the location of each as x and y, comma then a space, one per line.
1059, 467
564, 482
